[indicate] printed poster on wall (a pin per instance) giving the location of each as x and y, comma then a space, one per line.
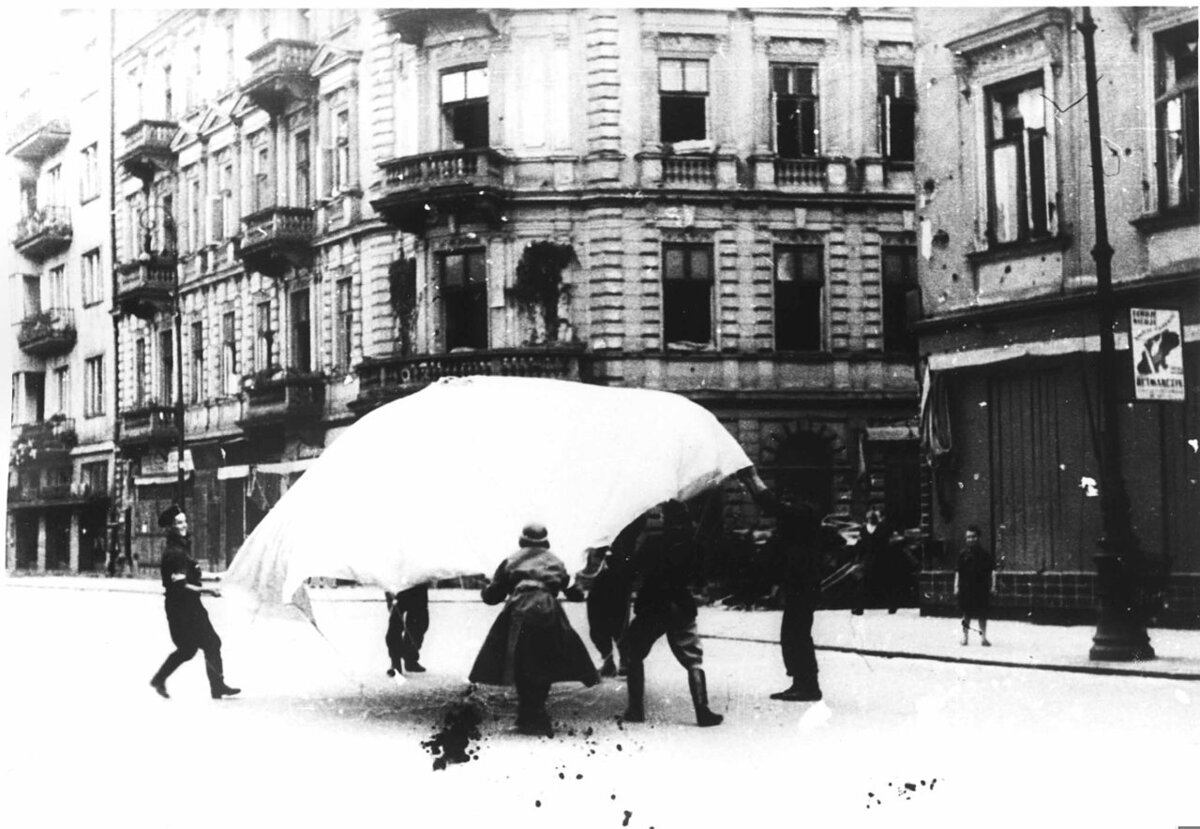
1156, 349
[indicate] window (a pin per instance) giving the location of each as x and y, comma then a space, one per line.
795, 104
799, 295
166, 367
90, 278
464, 299
1017, 148
465, 107
31, 290
262, 172
899, 277
264, 338
229, 353
303, 169
197, 362
54, 192
167, 231
168, 108
62, 390
55, 295
682, 100
301, 344
687, 293
194, 233
1176, 116
133, 223
192, 93
223, 215
897, 114
141, 373
344, 326
93, 386
94, 477
89, 180
230, 55
35, 397
341, 151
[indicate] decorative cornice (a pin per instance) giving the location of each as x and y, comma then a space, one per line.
1023, 27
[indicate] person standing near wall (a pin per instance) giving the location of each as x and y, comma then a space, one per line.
974, 581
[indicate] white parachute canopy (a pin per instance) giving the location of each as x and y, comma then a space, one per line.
439, 484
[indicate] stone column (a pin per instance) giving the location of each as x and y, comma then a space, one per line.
74, 542
41, 543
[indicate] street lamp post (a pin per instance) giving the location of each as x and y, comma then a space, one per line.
1120, 631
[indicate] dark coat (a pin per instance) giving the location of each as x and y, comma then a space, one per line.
186, 617
975, 566
531, 641
662, 567
795, 558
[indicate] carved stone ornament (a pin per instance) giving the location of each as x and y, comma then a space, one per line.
796, 48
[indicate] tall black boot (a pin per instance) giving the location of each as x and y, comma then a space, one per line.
635, 680
699, 689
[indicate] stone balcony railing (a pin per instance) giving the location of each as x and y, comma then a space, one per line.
290, 399
383, 379
47, 443
43, 233
147, 425
279, 73
146, 148
146, 284
47, 333
447, 180
694, 171
277, 237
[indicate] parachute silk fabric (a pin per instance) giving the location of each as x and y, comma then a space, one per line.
439, 484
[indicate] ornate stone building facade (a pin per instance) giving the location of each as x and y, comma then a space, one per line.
320, 211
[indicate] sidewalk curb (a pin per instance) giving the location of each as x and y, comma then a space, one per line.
967, 660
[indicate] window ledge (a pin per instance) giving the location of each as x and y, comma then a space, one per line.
1016, 250
1155, 222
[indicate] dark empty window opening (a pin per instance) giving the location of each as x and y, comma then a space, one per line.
464, 298
1017, 148
687, 293
683, 100
897, 114
799, 293
899, 278
794, 101
465, 106
301, 331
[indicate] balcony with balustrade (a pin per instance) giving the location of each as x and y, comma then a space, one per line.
280, 74
383, 379
48, 333
276, 239
44, 444
43, 233
689, 171
420, 189
146, 285
287, 399
148, 425
37, 136
146, 149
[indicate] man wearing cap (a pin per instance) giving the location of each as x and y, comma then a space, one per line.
531, 644
187, 619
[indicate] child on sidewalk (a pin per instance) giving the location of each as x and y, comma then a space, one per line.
974, 581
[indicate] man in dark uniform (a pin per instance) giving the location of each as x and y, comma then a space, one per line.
800, 579
187, 619
408, 623
608, 599
665, 605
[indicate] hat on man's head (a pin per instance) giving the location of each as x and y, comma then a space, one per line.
534, 535
166, 519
